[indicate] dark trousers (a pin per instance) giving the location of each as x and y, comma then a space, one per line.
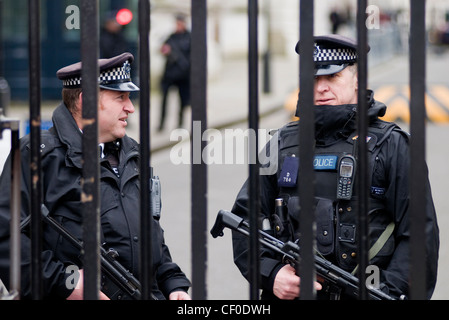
183, 87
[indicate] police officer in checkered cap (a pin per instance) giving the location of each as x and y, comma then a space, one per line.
61, 150
335, 163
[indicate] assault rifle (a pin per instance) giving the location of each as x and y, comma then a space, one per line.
123, 283
335, 278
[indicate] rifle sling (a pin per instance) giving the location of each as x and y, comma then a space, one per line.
378, 245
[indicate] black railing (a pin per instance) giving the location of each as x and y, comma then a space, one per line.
253, 122
146, 265
35, 163
198, 80
307, 150
362, 156
15, 249
90, 175
89, 53
417, 149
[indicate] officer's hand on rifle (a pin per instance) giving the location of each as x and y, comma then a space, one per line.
77, 293
287, 283
179, 295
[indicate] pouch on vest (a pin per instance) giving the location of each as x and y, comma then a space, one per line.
283, 228
155, 194
324, 226
293, 207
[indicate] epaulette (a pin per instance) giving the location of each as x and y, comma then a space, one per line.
48, 142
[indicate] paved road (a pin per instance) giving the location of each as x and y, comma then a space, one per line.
437, 160
224, 180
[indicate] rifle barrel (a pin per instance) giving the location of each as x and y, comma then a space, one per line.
290, 251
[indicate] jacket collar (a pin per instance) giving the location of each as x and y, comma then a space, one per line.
375, 108
69, 134
335, 122
72, 137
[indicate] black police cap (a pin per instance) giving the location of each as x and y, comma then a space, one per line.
115, 74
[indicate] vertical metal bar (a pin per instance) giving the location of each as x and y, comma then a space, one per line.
306, 176
15, 256
417, 150
253, 123
267, 55
1, 54
90, 181
35, 163
198, 87
362, 155
145, 162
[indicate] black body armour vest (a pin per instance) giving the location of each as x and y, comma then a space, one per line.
336, 219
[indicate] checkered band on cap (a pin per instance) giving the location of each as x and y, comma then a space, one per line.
114, 75
72, 83
334, 55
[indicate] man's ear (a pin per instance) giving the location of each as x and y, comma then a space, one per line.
79, 102
80, 98
77, 113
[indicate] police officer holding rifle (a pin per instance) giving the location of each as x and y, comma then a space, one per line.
335, 99
61, 150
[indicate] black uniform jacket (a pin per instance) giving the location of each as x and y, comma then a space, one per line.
61, 149
391, 179
177, 65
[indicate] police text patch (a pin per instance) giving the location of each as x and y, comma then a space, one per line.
325, 162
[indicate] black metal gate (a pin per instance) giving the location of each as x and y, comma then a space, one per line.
89, 53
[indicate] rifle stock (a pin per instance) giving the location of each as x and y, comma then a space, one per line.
333, 276
126, 285
123, 285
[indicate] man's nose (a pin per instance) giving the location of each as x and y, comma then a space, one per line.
321, 84
129, 107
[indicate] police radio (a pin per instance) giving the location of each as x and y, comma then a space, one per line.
346, 173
